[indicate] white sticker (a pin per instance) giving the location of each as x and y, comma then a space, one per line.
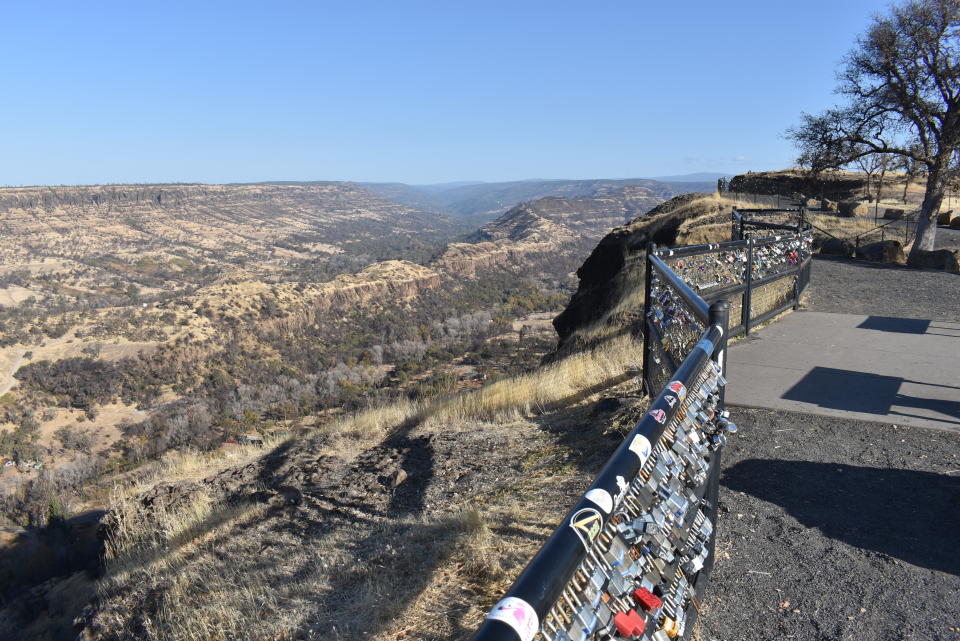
602, 498
622, 484
519, 615
587, 524
640, 446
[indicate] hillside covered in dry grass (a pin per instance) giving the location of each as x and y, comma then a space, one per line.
415, 453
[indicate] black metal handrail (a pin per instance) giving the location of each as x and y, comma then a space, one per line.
908, 219
690, 297
577, 581
524, 607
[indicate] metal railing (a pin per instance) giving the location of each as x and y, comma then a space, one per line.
761, 275
909, 222
632, 558
634, 554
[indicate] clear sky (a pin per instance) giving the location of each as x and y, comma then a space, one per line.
416, 92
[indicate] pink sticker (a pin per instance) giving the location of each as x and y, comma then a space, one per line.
519, 615
658, 415
677, 388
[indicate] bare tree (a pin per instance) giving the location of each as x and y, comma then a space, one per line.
902, 85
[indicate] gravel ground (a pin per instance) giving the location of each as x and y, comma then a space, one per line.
947, 238
836, 529
845, 286
839, 529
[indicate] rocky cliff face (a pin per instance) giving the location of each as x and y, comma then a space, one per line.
159, 235
835, 185
559, 227
612, 273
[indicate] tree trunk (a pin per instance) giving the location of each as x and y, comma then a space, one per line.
932, 199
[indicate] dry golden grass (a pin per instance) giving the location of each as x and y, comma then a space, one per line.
202, 596
770, 296
548, 386
537, 391
703, 234
170, 544
250, 596
841, 227
156, 543
192, 465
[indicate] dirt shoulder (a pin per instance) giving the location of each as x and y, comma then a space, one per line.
845, 286
841, 529
836, 529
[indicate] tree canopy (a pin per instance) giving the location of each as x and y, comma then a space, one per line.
902, 88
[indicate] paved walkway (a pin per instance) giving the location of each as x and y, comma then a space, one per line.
893, 370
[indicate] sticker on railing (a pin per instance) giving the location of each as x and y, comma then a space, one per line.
677, 388
624, 486
658, 415
586, 523
640, 446
518, 614
602, 498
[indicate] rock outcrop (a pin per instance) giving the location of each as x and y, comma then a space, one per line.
835, 186
887, 251
837, 247
945, 259
852, 208
616, 266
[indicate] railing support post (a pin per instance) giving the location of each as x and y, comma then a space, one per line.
747, 298
720, 315
645, 370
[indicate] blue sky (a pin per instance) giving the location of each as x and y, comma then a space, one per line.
416, 92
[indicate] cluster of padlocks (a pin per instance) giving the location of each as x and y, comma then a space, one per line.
721, 266
712, 269
677, 326
638, 579
780, 253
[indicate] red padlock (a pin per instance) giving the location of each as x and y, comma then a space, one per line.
629, 624
647, 599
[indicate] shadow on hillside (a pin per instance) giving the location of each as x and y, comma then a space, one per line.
910, 515
46, 575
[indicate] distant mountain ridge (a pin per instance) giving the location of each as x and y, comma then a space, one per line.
485, 201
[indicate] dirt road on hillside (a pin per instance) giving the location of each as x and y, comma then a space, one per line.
7, 381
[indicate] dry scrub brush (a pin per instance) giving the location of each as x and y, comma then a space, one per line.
203, 569
537, 391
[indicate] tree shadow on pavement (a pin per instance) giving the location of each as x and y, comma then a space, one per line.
871, 393
910, 515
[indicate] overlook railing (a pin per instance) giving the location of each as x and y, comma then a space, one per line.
632, 558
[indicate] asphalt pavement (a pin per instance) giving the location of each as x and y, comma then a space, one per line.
841, 522
882, 368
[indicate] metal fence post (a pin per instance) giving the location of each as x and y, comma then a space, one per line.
645, 371
720, 315
796, 289
745, 308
